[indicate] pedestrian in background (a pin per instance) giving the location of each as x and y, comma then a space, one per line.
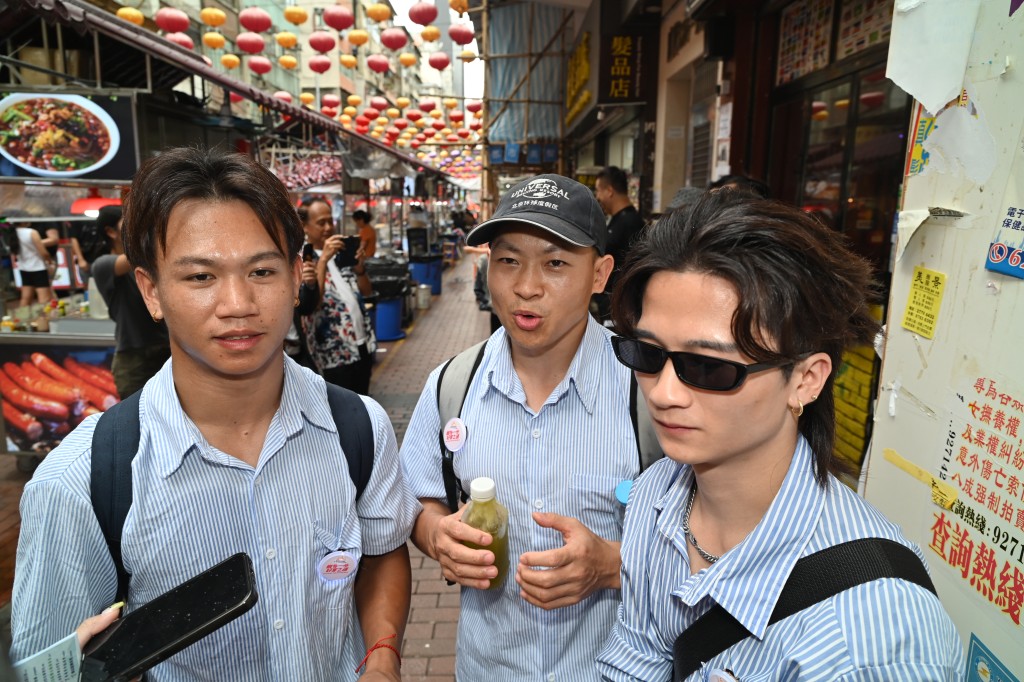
34, 264
142, 343
338, 333
367, 235
547, 418
624, 225
734, 316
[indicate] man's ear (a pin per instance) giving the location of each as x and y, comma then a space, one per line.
809, 377
296, 275
603, 266
148, 288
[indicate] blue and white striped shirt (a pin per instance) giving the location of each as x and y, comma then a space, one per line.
194, 506
567, 459
884, 630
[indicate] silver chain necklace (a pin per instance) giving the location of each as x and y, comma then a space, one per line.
704, 554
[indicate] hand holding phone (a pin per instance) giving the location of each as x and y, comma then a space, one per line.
308, 254
164, 626
348, 256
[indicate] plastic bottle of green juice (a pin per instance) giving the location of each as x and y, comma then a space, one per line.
485, 513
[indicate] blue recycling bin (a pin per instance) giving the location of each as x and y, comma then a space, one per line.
427, 270
389, 319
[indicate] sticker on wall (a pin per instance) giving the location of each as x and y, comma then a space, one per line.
924, 302
983, 666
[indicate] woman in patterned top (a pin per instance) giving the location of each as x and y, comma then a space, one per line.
338, 333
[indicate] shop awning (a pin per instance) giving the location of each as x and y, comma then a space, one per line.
82, 17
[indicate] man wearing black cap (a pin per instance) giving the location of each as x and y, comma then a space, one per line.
546, 416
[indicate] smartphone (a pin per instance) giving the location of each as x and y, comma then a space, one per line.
164, 626
307, 253
346, 258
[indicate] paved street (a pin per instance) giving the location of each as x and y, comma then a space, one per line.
452, 323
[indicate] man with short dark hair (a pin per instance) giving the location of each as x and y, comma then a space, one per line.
547, 417
611, 189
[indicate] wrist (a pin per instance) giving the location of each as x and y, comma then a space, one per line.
382, 656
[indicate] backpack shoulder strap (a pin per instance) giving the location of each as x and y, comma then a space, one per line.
643, 428
355, 431
814, 578
452, 387
115, 442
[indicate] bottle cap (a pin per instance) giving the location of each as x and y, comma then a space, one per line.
482, 489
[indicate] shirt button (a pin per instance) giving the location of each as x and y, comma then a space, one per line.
539, 504
271, 553
551, 677
536, 433
278, 624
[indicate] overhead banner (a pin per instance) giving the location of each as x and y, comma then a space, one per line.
57, 136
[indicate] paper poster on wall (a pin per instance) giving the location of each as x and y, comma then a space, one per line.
917, 158
1006, 251
983, 666
924, 302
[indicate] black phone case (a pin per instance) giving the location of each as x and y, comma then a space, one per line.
347, 258
116, 654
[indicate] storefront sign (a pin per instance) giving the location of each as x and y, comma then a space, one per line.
577, 96
628, 64
58, 137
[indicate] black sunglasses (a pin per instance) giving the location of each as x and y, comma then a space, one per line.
699, 371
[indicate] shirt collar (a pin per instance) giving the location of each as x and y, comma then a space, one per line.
749, 578
162, 413
500, 375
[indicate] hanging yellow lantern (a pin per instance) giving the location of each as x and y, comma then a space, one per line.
378, 11
348, 61
354, 100
435, 113
345, 118
131, 15
402, 102
358, 36
211, 16
421, 123
287, 61
467, 56
374, 133
402, 143
478, 114
406, 135
349, 111
382, 120
421, 155
230, 61
296, 15
286, 39
460, 6
430, 33
213, 40
450, 102
444, 131
306, 98
393, 113
407, 59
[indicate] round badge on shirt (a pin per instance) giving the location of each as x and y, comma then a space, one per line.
455, 434
337, 566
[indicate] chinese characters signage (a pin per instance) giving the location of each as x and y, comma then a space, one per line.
628, 68
577, 96
924, 302
1006, 253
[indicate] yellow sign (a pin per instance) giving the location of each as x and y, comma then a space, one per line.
943, 494
576, 97
923, 304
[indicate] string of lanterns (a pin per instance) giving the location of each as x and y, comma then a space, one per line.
399, 125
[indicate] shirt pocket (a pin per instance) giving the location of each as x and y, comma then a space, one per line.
593, 503
329, 604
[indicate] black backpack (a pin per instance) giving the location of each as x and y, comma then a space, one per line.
115, 442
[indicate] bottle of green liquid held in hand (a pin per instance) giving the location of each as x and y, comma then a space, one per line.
485, 513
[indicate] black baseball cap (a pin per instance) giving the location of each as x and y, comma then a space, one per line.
553, 203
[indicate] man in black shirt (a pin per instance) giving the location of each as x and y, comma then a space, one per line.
611, 190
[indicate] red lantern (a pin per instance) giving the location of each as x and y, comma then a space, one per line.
461, 33
260, 65
338, 17
235, 97
393, 38
393, 132
421, 137
428, 105
371, 112
437, 124
281, 94
171, 20
475, 125
415, 144
456, 116
252, 43
414, 115
329, 112
362, 130
379, 104
463, 133
474, 106
401, 123
319, 63
363, 121
330, 101
322, 41
452, 138
255, 19
439, 60
181, 39
423, 13
378, 63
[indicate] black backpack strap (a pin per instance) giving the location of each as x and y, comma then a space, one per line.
115, 442
647, 444
451, 397
355, 431
815, 578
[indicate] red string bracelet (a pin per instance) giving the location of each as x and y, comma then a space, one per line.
380, 645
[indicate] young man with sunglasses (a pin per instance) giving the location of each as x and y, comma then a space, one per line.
547, 417
734, 318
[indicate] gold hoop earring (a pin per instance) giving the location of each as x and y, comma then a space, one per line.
296, 304
798, 410
156, 318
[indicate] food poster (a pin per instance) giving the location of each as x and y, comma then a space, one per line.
1006, 250
58, 136
946, 461
47, 390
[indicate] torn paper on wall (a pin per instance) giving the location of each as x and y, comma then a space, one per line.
906, 226
961, 142
929, 47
